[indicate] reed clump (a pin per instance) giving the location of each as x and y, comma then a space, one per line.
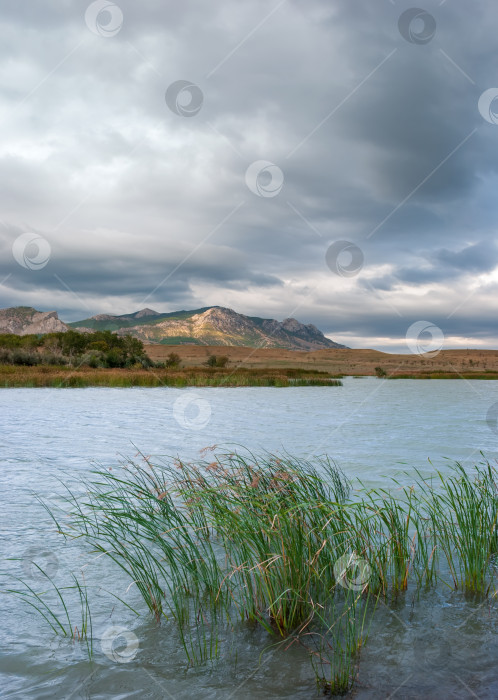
285, 544
52, 605
80, 377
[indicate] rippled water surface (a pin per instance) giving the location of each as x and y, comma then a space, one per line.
438, 645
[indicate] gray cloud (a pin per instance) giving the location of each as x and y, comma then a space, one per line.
440, 266
479, 257
380, 142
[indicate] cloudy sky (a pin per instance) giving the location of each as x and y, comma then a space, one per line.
328, 160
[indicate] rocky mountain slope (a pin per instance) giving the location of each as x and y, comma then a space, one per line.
24, 320
211, 326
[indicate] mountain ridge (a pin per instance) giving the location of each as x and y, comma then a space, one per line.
25, 320
211, 325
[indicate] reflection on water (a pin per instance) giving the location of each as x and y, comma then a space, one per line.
434, 645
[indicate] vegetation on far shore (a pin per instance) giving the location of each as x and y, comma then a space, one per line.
80, 377
280, 544
101, 349
487, 374
102, 358
61, 376
381, 373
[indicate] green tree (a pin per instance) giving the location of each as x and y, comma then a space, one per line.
72, 343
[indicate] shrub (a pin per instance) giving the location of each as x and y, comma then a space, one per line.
25, 358
98, 345
5, 356
93, 360
144, 360
217, 361
51, 359
114, 358
173, 360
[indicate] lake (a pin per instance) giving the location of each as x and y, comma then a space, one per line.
439, 645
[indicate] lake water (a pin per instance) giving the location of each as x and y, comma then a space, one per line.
371, 428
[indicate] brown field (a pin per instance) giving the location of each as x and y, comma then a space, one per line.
265, 367
476, 363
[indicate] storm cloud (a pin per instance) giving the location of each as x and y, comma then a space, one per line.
178, 155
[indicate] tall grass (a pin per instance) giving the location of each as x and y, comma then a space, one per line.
335, 651
61, 377
463, 513
53, 607
227, 540
283, 543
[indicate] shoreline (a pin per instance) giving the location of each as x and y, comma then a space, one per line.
42, 376
251, 367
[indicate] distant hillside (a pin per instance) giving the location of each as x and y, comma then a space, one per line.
108, 322
213, 325
24, 320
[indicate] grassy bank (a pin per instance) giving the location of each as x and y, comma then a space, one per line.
488, 374
285, 545
80, 377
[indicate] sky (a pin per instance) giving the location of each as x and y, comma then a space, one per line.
335, 162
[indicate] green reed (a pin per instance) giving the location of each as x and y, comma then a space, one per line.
335, 649
463, 511
285, 544
53, 607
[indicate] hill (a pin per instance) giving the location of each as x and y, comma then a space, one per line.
24, 320
210, 325
213, 325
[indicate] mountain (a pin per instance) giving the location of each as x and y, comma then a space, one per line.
212, 325
107, 322
125, 317
23, 320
